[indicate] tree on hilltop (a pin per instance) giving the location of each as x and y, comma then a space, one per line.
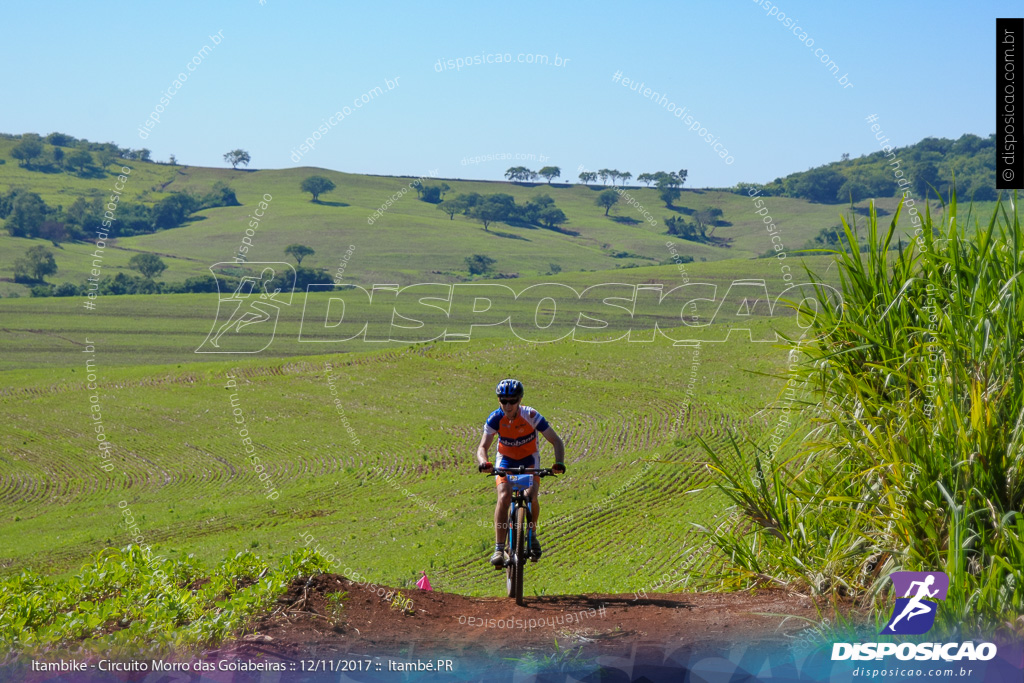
550, 172
298, 252
669, 184
236, 157
520, 173
36, 265
494, 207
27, 213
150, 265
607, 199
317, 185
30, 148
705, 218
552, 217
454, 206
79, 159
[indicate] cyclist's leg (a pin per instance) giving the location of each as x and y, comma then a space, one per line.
501, 510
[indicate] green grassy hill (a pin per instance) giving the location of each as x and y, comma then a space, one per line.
413, 241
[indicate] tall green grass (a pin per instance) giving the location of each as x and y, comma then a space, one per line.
913, 450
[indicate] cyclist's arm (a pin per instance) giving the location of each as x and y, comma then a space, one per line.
481, 451
556, 442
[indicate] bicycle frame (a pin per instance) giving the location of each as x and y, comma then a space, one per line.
520, 535
520, 498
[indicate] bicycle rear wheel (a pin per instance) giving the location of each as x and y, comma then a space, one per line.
521, 553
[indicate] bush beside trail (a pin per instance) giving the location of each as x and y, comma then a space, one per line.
914, 459
126, 603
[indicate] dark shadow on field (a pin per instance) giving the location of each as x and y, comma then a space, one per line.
536, 226
508, 235
561, 231
331, 203
195, 218
521, 224
596, 601
625, 220
44, 168
92, 173
866, 211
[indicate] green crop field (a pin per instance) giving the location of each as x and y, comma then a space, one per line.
166, 329
416, 412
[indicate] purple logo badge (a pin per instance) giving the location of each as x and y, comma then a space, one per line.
914, 613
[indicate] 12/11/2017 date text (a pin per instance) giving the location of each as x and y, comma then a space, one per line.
371, 665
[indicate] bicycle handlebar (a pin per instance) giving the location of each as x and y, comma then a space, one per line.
540, 472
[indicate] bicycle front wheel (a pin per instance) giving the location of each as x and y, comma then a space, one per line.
521, 552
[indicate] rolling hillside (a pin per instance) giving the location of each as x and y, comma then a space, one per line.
413, 241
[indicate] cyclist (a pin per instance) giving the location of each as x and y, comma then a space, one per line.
516, 426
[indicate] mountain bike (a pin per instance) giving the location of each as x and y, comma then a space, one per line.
520, 535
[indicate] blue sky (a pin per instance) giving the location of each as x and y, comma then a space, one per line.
97, 70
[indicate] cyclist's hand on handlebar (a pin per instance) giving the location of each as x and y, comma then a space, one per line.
558, 468
485, 467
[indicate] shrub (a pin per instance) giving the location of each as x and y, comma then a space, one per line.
67, 289
915, 456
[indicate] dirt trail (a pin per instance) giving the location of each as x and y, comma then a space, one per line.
307, 622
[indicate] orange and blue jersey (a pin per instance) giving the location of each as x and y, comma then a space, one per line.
517, 438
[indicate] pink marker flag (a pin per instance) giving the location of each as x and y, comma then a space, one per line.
424, 582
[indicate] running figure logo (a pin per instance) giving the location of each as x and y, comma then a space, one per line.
254, 306
914, 614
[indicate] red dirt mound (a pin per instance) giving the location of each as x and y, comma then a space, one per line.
330, 615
